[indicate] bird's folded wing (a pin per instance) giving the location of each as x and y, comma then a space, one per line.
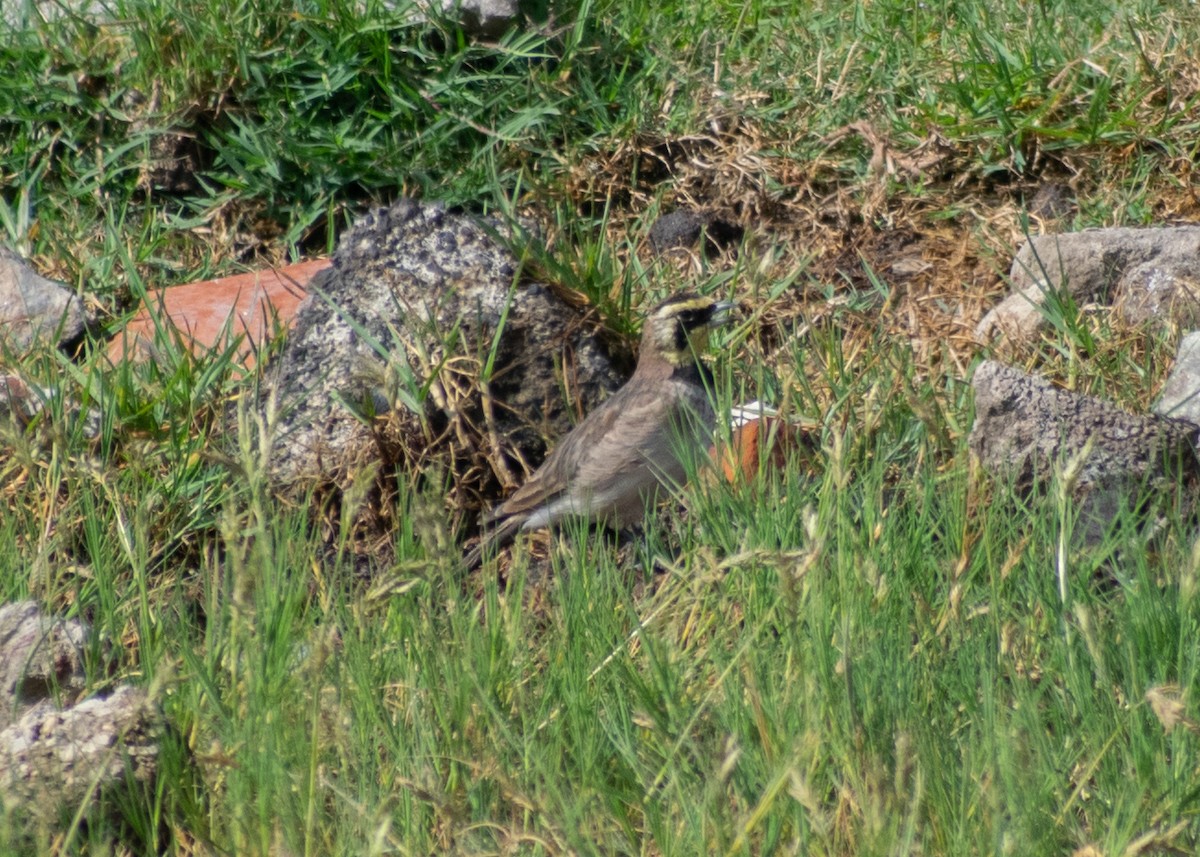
605, 433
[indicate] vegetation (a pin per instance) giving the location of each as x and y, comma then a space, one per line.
866, 652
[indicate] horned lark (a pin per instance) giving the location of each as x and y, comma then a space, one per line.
611, 466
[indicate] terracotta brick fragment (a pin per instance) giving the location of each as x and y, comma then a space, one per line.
207, 313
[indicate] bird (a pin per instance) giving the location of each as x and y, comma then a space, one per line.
610, 467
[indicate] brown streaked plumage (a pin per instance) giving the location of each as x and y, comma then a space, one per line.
611, 465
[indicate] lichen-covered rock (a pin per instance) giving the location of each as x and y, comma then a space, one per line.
52, 758
56, 752
41, 658
1027, 430
34, 309
421, 344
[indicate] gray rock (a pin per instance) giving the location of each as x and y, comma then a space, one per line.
1181, 394
40, 659
1145, 273
480, 19
30, 14
1162, 290
53, 759
1027, 430
385, 361
56, 752
34, 309
486, 19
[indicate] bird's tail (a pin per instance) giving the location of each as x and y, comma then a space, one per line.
492, 540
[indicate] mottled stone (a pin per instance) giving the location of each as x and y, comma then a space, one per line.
1166, 291
34, 309
1027, 430
41, 658
421, 343
1146, 273
55, 752
53, 759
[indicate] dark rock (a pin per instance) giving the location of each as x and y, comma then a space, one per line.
1052, 201
34, 309
677, 229
1027, 430
390, 355
682, 229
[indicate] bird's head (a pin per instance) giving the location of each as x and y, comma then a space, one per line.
677, 329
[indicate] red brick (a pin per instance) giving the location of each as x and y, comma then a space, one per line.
247, 306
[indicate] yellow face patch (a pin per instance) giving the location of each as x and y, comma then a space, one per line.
678, 328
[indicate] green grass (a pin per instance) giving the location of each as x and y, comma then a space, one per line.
867, 653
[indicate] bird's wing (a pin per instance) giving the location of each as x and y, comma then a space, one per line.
611, 442
642, 450
631, 430
561, 465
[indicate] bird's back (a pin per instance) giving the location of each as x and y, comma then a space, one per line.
618, 456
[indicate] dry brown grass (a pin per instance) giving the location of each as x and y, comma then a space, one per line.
923, 222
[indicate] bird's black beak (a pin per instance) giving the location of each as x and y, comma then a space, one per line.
720, 313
